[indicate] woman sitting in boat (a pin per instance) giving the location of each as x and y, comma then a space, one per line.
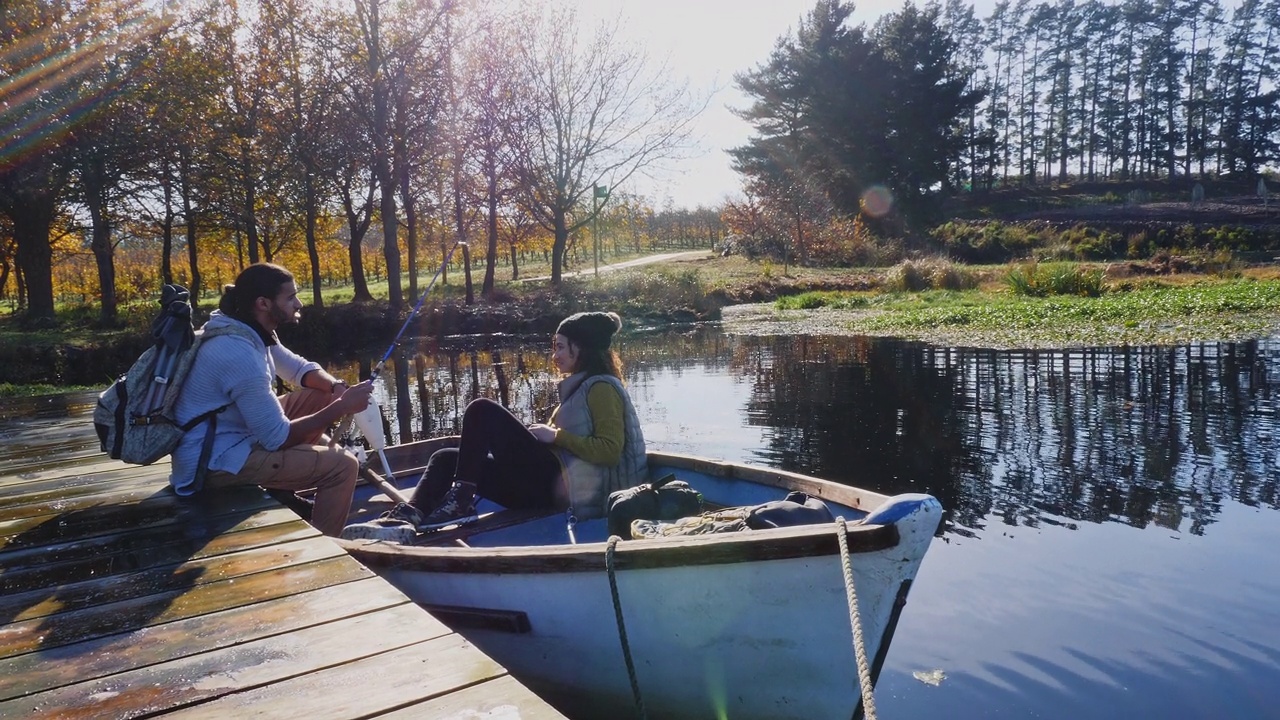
591, 446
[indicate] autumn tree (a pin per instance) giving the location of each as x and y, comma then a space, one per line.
389, 47
305, 116
63, 68
488, 121
108, 148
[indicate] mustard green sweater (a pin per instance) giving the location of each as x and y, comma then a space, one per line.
604, 447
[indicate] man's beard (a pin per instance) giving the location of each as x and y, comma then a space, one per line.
281, 316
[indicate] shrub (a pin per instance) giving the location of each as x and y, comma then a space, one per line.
938, 274
1088, 243
1044, 279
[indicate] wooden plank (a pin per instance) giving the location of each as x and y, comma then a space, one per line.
385, 682
27, 451
81, 498
138, 541
121, 599
42, 634
40, 671
178, 549
162, 508
203, 677
59, 405
78, 484
502, 697
41, 426
67, 469
114, 588
44, 444
26, 441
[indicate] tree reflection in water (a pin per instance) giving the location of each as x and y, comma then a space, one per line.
1144, 436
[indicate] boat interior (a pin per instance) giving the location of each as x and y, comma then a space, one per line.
722, 485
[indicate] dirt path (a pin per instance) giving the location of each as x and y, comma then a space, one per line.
646, 260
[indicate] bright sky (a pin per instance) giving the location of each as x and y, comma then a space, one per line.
707, 41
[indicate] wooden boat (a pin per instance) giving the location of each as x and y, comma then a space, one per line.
751, 624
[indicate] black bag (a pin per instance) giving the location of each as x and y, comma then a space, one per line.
797, 509
662, 499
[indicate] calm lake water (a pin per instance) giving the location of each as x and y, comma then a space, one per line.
1111, 539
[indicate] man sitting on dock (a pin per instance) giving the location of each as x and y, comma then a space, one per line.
259, 438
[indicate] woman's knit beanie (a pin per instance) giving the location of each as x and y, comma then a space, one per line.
591, 330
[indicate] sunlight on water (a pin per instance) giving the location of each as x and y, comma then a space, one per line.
1109, 545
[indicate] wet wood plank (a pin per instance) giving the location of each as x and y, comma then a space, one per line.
138, 541
121, 599
96, 467
43, 634
60, 406
502, 697
80, 497
205, 676
165, 578
40, 671
386, 682
174, 548
161, 508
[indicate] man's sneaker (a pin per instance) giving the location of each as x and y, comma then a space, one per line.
404, 512
458, 506
384, 529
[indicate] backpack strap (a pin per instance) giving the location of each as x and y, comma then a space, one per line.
206, 446
206, 449
122, 406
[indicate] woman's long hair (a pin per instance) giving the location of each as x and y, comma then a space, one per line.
598, 362
257, 280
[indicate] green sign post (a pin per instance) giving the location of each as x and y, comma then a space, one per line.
597, 199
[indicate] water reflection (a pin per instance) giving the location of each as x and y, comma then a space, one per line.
1143, 436
1107, 551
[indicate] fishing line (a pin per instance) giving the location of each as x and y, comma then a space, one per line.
416, 309
369, 420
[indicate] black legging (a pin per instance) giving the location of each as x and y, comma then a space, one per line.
498, 453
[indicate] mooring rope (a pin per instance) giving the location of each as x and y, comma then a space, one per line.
859, 647
622, 627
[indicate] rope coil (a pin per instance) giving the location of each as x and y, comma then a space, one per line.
622, 627
859, 646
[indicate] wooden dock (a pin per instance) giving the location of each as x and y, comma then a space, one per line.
119, 599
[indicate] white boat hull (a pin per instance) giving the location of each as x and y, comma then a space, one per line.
754, 624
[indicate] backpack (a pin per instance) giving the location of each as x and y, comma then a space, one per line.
663, 499
134, 417
797, 509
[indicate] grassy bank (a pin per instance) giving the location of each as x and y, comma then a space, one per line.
1172, 311
936, 301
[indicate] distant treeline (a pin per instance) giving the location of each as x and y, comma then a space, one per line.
875, 123
1136, 89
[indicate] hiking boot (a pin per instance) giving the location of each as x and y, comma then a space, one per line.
458, 506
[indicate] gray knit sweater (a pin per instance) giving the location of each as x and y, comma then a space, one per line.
238, 371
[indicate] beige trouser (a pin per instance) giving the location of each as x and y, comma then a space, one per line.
332, 471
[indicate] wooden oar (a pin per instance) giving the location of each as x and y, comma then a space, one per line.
383, 484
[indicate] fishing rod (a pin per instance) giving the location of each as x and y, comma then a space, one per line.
416, 308
369, 420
